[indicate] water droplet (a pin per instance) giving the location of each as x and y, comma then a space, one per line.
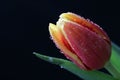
50, 59
67, 57
61, 66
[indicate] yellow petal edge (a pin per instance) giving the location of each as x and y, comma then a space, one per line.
57, 38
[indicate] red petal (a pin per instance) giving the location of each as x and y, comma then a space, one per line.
63, 45
86, 23
92, 49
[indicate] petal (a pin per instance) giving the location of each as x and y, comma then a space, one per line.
92, 49
86, 23
62, 44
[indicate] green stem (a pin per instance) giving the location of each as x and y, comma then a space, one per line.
68, 65
112, 70
113, 66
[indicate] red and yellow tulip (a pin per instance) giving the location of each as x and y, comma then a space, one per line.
81, 41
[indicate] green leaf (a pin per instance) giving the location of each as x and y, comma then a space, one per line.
68, 65
115, 57
113, 65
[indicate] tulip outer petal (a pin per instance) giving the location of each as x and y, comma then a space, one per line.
58, 38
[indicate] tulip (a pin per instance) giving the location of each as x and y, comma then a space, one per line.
82, 41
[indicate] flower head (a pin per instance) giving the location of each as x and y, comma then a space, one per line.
81, 41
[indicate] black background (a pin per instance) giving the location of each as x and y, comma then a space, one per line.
24, 29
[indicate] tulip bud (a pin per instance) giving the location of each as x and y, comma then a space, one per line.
81, 41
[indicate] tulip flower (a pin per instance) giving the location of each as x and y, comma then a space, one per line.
82, 41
